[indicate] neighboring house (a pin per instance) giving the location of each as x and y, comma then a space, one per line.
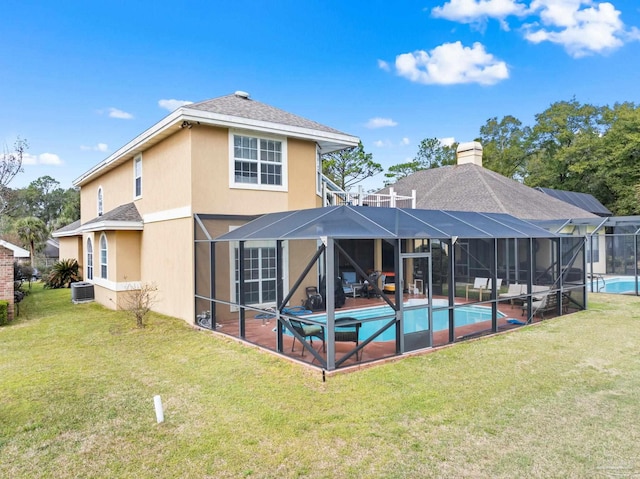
467, 186
230, 158
51, 251
582, 200
19, 254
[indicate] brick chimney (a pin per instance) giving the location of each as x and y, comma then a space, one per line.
469, 152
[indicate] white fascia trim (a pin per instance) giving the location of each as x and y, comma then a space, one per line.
112, 225
102, 226
183, 113
167, 215
117, 286
134, 145
65, 234
268, 127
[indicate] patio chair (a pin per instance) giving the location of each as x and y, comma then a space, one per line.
348, 333
307, 331
479, 284
374, 278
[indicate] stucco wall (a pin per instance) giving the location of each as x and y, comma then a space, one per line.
71, 248
166, 254
166, 180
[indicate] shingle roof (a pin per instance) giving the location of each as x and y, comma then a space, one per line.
582, 200
126, 212
70, 227
239, 106
470, 187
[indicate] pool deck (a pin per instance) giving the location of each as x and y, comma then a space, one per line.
261, 333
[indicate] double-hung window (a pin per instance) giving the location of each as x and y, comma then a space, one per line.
258, 163
137, 176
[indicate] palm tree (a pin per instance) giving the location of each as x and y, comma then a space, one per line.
33, 232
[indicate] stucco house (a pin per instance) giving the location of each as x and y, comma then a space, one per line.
230, 158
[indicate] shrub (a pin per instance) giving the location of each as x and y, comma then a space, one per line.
63, 273
4, 312
22, 272
138, 302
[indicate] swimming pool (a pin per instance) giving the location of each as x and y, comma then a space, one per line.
619, 285
414, 319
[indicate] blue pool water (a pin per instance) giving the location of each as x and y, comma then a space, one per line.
618, 285
414, 319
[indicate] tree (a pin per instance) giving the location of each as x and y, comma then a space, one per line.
432, 153
558, 141
505, 146
33, 233
618, 156
401, 170
349, 167
10, 166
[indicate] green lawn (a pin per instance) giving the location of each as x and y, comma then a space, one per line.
558, 399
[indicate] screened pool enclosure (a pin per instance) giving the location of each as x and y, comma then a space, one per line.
391, 280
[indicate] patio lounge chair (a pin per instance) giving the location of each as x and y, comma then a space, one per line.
307, 331
514, 291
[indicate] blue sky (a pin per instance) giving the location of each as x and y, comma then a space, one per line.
80, 79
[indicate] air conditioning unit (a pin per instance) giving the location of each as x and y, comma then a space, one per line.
81, 292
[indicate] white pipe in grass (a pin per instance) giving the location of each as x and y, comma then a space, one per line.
159, 412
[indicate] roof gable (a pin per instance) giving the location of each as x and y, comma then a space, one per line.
243, 107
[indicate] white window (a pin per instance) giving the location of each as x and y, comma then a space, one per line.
137, 176
89, 259
100, 202
103, 256
259, 275
258, 163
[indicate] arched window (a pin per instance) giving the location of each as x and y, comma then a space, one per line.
89, 259
103, 256
100, 202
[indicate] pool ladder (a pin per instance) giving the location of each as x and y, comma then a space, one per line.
598, 277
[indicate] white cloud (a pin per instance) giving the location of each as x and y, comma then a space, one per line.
405, 141
581, 31
99, 147
172, 104
478, 11
448, 141
384, 65
123, 115
381, 143
378, 122
41, 159
452, 63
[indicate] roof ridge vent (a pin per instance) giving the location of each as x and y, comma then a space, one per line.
242, 94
